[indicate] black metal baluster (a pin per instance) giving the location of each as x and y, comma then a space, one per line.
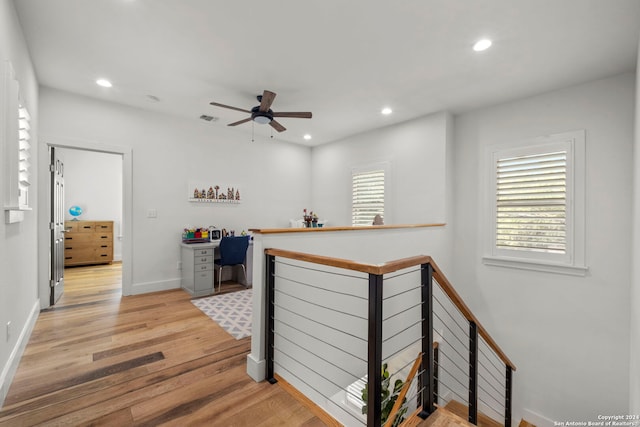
473, 373
436, 368
270, 280
507, 402
374, 368
426, 378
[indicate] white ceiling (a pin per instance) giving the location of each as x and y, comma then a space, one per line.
342, 60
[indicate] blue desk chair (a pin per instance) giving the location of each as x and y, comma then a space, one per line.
233, 251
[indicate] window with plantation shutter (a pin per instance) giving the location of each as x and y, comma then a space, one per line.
536, 199
531, 202
367, 196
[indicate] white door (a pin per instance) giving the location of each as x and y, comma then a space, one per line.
56, 225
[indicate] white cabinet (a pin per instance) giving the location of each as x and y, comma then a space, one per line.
197, 268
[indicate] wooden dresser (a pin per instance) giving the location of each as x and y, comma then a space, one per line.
88, 242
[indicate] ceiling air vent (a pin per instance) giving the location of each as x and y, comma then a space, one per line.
208, 118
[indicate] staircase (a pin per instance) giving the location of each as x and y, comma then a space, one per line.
324, 330
454, 414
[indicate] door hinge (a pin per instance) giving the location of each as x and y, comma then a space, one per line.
52, 168
52, 226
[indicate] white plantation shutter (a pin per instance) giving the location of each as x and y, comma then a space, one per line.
536, 204
367, 196
24, 154
531, 203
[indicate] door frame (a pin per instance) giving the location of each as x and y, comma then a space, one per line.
44, 203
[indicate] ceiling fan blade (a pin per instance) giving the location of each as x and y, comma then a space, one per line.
240, 122
296, 114
229, 107
267, 100
277, 126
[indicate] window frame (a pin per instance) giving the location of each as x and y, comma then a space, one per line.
369, 168
572, 262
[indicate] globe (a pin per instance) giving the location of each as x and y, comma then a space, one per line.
75, 211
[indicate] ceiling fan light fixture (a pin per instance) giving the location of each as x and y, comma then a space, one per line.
262, 120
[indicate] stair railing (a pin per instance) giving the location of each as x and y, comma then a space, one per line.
329, 338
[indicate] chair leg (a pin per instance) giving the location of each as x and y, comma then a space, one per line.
220, 279
244, 270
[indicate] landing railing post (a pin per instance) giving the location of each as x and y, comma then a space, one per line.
473, 373
426, 378
270, 280
507, 402
374, 368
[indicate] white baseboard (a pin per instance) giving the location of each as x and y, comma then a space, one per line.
256, 369
10, 368
163, 285
535, 418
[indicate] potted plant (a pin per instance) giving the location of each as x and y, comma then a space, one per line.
388, 398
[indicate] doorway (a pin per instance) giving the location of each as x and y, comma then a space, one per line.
122, 234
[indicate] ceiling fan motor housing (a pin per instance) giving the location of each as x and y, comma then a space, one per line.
261, 117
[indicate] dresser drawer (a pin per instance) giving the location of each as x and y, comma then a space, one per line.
203, 259
203, 280
103, 237
86, 227
102, 226
71, 226
79, 255
203, 267
203, 252
87, 238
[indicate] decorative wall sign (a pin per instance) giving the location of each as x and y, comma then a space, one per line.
199, 193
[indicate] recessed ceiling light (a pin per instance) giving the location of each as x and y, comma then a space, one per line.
481, 45
307, 137
386, 111
103, 83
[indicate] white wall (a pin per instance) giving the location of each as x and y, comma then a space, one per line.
18, 286
634, 300
416, 187
93, 181
568, 336
170, 152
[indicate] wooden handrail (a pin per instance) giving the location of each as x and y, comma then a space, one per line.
390, 267
403, 392
387, 267
447, 287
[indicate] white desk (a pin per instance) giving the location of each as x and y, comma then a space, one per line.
198, 276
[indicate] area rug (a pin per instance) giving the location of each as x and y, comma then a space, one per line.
231, 311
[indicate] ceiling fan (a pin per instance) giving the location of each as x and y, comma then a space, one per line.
263, 113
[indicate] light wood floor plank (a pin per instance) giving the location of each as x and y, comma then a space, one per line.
100, 359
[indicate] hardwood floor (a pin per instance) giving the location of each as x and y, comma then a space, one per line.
100, 359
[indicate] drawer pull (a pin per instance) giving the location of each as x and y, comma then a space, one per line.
104, 246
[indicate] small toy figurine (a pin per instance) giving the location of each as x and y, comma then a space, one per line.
210, 193
203, 194
196, 194
237, 194
229, 193
217, 187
